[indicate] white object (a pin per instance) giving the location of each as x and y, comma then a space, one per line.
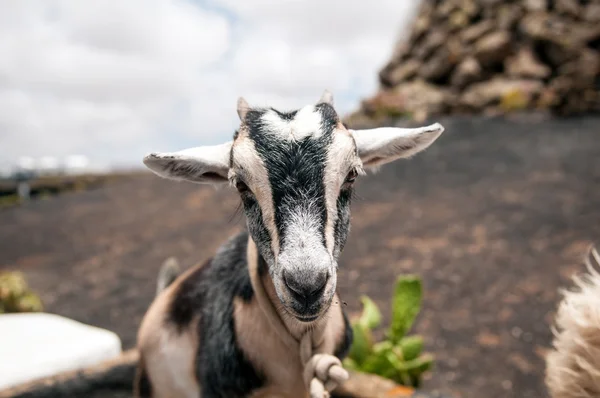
26, 163
35, 345
76, 164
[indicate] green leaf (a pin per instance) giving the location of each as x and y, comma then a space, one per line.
420, 365
371, 316
382, 346
411, 347
379, 364
28, 303
350, 364
405, 306
362, 344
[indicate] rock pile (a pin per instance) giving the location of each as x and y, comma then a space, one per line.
494, 56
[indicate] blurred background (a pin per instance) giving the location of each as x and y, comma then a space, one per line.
495, 217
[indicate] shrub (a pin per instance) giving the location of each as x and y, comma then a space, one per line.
15, 295
398, 357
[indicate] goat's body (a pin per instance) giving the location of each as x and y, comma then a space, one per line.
206, 336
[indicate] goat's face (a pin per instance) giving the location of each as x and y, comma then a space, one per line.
295, 173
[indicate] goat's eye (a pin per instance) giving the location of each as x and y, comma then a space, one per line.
242, 187
351, 177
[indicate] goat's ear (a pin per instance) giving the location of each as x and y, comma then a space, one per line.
326, 98
242, 108
386, 144
205, 164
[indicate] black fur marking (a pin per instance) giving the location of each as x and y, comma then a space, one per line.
295, 168
342, 224
257, 228
263, 267
188, 298
285, 115
181, 169
221, 367
343, 347
143, 387
329, 117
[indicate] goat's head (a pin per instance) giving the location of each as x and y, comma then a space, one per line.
295, 172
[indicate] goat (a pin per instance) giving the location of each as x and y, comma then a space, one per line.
573, 365
262, 317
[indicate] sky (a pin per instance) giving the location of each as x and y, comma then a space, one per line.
116, 79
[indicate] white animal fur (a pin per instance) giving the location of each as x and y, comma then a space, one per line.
386, 144
306, 122
573, 366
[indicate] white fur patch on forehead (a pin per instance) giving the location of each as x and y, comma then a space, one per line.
306, 122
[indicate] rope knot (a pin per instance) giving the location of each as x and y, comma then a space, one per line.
322, 372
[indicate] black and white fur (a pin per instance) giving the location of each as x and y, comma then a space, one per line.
205, 336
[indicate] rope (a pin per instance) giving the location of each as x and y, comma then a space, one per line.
322, 372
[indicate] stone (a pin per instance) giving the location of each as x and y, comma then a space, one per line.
548, 98
488, 3
41, 345
559, 30
482, 94
583, 70
432, 42
470, 7
497, 56
420, 27
492, 48
592, 13
525, 64
419, 95
458, 19
446, 8
467, 72
570, 7
406, 70
508, 15
401, 50
536, 5
439, 66
456, 50
557, 55
384, 102
474, 32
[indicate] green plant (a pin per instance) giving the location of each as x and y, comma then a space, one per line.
15, 296
398, 357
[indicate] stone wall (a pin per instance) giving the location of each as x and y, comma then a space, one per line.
493, 56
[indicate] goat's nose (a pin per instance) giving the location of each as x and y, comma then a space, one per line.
306, 290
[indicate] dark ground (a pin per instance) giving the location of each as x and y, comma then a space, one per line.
495, 217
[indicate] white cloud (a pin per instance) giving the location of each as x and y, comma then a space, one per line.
114, 79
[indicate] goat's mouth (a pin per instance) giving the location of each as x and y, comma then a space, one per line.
306, 318
307, 313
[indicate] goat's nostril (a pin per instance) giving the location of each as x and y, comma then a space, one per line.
306, 289
322, 282
293, 285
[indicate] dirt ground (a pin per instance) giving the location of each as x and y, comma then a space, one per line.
495, 217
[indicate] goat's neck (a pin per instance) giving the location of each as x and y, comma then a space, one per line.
269, 302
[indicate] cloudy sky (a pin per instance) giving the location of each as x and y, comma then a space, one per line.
114, 79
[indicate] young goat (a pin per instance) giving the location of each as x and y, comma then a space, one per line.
262, 318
